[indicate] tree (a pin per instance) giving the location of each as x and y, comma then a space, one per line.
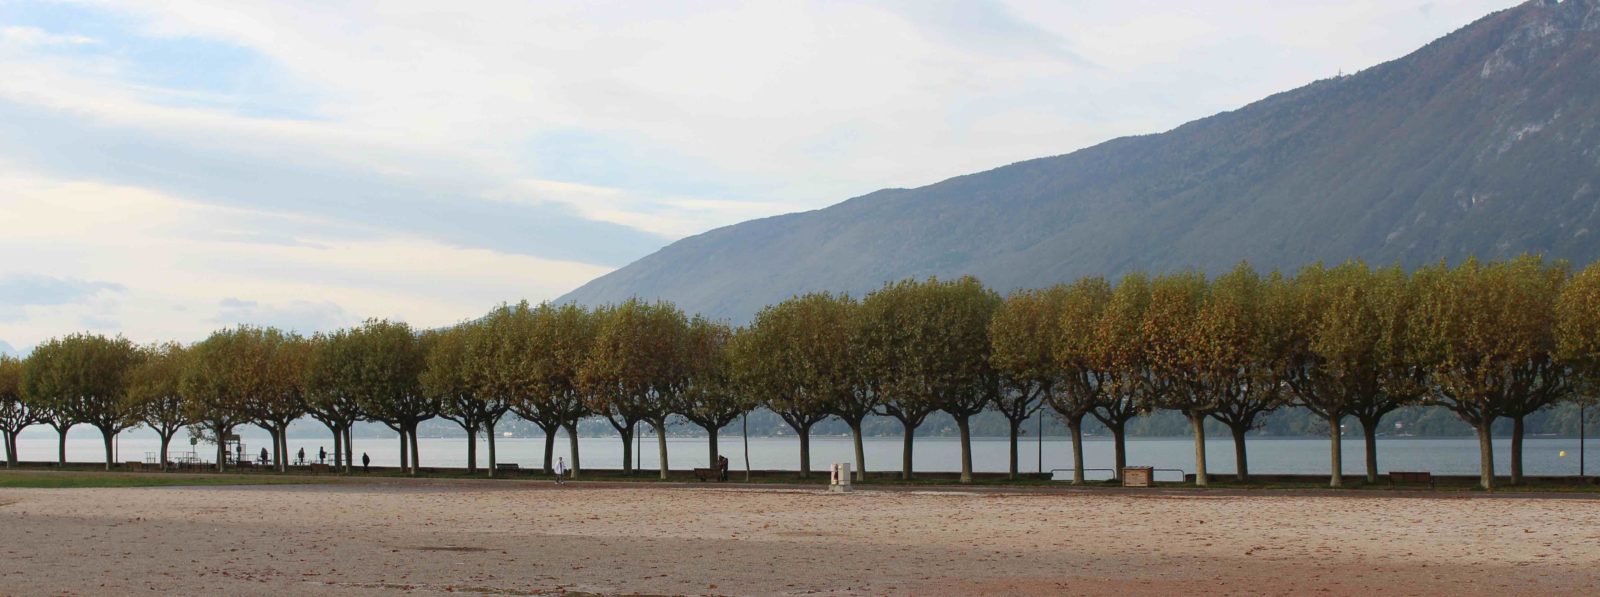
1022, 340
153, 393
276, 400
15, 414
448, 378
1178, 363
710, 398
1240, 343
564, 335
925, 345
79, 379
1578, 331
638, 368
1479, 330
794, 360
1083, 376
386, 380
221, 375
1117, 348
329, 385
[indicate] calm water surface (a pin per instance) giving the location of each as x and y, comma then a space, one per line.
1267, 455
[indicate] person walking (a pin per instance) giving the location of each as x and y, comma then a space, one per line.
366, 463
322, 455
561, 470
301, 456
263, 456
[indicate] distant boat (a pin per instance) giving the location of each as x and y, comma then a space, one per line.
506, 434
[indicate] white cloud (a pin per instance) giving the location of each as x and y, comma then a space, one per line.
33, 36
175, 284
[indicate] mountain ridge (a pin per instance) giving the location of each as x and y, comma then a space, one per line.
1484, 142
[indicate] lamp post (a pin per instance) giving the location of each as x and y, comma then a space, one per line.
1040, 414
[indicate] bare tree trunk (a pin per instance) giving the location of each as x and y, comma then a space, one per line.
61, 446
711, 444
405, 456
1075, 425
572, 441
489, 429
661, 445
105, 432
861, 453
1119, 441
1516, 449
222, 450
350, 447
338, 448
1485, 455
627, 450
10, 454
549, 447
905, 453
1369, 431
1197, 422
1241, 458
964, 426
805, 451
1336, 453
416, 457
1016, 432
472, 451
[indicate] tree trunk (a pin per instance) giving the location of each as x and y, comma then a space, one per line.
1197, 422
572, 441
105, 432
905, 453
1336, 440
472, 450
222, 450
549, 448
338, 448
964, 426
1016, 432
1516, 449
661, 445
1119, 441
10, 454
61, 446
861, 453
711, 444
1369, 431
1075, 425
1241, 459
745, 430
416, 457
805, 451
279, 457
627, 450
489, 429
405, 456
1485, 455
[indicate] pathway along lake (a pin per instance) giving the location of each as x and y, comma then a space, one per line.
1450, 456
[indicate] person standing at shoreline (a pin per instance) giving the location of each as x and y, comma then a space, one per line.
366, 463
561, 470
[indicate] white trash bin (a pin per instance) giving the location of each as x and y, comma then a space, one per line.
840, 481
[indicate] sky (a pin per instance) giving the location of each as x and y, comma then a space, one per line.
171, 167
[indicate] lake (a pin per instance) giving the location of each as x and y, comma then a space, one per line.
1267, 454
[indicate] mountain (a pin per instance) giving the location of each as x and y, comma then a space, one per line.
1485, 142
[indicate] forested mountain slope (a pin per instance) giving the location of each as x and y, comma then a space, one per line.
1485, 142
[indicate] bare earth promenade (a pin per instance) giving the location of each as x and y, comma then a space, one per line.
434, 537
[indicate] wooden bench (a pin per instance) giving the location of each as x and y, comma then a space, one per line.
1397, 477
507, 466
318, 468
711, 474
134, 465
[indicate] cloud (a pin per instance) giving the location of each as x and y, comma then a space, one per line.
8, 350
18, 292
298, 315
33, 36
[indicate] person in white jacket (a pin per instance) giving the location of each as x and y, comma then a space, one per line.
561, 470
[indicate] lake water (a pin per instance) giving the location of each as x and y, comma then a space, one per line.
1267, 455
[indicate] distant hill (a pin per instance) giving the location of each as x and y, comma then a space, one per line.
1485, 142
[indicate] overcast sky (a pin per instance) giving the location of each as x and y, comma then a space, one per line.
171, 167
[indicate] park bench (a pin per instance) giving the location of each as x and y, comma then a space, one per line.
318, 468
507, 466
1398, 477
134, 465
719, 473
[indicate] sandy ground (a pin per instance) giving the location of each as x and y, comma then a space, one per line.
534, 538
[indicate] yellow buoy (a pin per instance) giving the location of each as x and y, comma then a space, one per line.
1563, 453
